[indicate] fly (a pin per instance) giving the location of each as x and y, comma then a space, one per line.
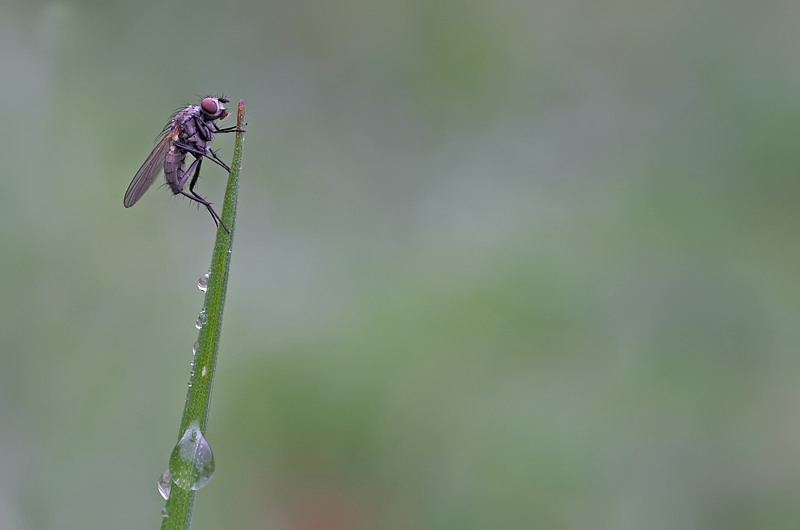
189, 131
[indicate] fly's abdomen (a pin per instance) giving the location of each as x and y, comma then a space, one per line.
173, 168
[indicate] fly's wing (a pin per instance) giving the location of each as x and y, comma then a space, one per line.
150, 169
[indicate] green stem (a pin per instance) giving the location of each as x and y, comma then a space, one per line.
179, 506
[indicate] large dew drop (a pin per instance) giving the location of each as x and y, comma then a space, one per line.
165, 484
192, 462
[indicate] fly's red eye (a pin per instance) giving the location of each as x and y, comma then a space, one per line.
209, 106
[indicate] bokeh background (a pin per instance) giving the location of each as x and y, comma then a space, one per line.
497, 264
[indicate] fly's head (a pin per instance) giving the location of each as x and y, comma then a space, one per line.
212, 108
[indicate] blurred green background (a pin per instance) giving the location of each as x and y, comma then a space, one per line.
497, 264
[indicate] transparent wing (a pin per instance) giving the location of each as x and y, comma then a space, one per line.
150, 169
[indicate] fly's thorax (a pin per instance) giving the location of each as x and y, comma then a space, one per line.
182, 116
204, 130
189, 128
196, 133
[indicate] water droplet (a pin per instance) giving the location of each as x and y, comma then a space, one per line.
202, 283
165, 484
164, 512
202, 318
195, 347
192, 462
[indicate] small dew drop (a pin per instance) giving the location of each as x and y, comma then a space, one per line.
195, 346
192, 461
165, 484
164, 512
202, 283
202, 318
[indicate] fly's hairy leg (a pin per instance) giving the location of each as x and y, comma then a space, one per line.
193, 194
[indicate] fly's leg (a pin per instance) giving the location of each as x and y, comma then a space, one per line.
225, 129
193, 194
217, 160
190, 148
197, 152
184, 176
214, 215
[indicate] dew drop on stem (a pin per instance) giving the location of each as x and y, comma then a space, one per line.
192, 461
